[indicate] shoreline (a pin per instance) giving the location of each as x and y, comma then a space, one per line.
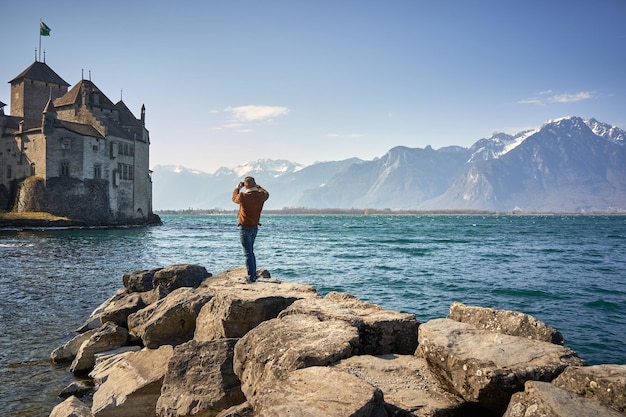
377, 212
41, 221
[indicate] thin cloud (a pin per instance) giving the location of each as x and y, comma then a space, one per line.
240, 118
547, 97
571, 98
256, 113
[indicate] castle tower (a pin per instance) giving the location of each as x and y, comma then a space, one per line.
32, 88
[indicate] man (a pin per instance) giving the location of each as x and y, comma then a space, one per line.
250, 206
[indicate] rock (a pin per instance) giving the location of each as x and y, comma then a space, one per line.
133, 384
119, 310
241, 410
93, 321
71, 407
68, 351
154, 295
104, 365
177, 276
546, 400
108, 354
276, 347
107, 337
508, 322
603, 383
409, 387
76, 388
200, 380
487, 367
320, 391
171, 320
140, 281
235, 276
238, 308
118, 307
380, 331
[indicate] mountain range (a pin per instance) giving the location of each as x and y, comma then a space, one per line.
566, 165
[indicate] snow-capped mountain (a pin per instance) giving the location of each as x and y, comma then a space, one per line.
176, 188
561, 167
495, 146
607, 131
566, 165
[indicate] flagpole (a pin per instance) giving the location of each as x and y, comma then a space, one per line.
40, 39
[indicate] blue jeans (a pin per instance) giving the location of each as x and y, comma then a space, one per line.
248, 234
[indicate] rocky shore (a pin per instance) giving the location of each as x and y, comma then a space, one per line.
178, 341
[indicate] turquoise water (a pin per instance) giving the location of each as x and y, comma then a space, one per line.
568, 271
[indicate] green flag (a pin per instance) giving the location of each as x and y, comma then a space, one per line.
44, 30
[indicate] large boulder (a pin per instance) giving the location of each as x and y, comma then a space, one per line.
546, 400
603, 383
274, 348
118, 307
132, 385
487, 367
380, 331
241, 410
108, 336
236, 276
140, 281
508, 322
408, 385
320, 391
93, 321
119, 310
238, 308
77, 388
69, 350
106, 361
200, 380
71, 407
177, 276
171, 320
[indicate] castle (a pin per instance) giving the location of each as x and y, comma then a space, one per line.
73, 152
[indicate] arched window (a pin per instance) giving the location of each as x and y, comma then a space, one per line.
32, 169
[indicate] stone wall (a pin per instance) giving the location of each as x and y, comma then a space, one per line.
67, 197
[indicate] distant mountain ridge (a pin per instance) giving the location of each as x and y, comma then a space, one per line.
566, 165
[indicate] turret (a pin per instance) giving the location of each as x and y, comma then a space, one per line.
49, 117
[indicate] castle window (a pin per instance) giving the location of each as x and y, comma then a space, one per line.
65, 169
126, 149
32, 169
125, 171
97, 172
66, 143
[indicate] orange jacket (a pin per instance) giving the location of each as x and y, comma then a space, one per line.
250, 205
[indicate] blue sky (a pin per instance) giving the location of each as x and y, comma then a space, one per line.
226, 82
